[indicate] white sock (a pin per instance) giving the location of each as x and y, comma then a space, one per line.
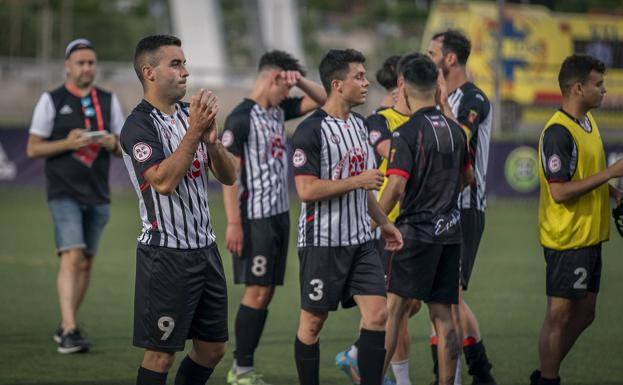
240, 370
401, 372
352, 353
457, 373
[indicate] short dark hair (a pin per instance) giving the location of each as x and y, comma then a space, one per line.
335, 64
281, 60
387, 75
455, 41
418, 70
577, 68
147, 46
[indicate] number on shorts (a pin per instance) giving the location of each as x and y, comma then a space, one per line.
258, 268
166, 324
581, 282
318, 285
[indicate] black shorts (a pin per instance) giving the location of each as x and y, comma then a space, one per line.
472, 226
179, 295
383, 254
425, 271
265, 250
330, 275
573, 273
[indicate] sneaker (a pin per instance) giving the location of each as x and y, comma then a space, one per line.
249, 378
349, 366
73, 343
231, 376
535, 377
58, 335
388, 381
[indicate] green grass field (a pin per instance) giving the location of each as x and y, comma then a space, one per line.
506, 293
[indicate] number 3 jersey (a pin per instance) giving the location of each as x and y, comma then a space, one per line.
330, 148
180, 220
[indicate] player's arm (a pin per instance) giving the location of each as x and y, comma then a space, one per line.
392, 236
234, 235
399, 168
311, 188
379, 134
557, 147
565, 191
167, 174
222, 163
315, 95
392, 193
467, 174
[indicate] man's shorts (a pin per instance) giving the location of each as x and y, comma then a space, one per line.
265, 251
573, 273
472, 226
384, 255
330, 275
179, 295
78, 225
425, 271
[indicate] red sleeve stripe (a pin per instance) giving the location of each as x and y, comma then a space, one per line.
397, 171
144, 186
467, 165
557, 181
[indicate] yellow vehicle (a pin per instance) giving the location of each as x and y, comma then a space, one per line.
535, 42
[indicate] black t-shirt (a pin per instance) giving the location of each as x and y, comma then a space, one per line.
430, 152
81, 174
559, 154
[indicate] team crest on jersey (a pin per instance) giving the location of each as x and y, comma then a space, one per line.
356, 159
195, 169
277, 146
554, 164
374, 136
228, 138
299, 158
335, 139
141, 152
472, 116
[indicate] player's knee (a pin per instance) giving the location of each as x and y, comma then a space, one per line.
377, 320
560, 316
589, 317
415, 307
158, 361
263, 296
311, 326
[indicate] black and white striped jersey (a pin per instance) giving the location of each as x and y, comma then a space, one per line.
473, 110
257, 136
332, 149
182, 219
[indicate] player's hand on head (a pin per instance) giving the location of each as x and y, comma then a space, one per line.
234, 237
291, 77
76, 139
392, 236
371, 179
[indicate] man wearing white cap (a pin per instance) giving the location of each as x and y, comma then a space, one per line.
75, 128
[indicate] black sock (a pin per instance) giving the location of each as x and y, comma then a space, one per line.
477, 361
307, 359
549, 381
433, 353
249, 326
148, 377
191, 373
371, 356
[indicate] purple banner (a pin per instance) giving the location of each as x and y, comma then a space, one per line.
513, 167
